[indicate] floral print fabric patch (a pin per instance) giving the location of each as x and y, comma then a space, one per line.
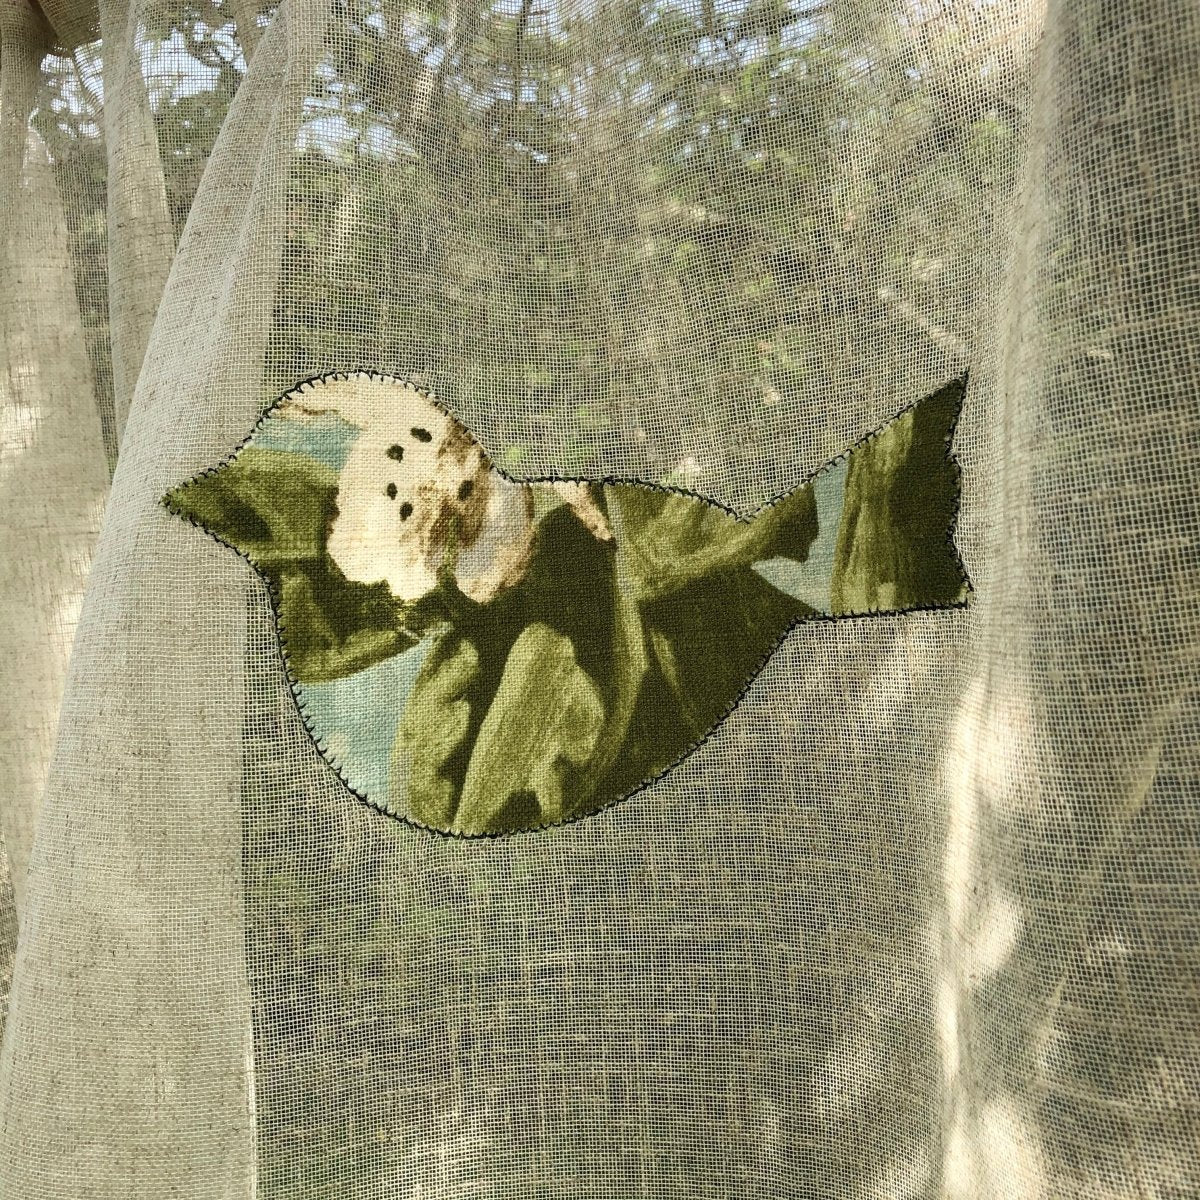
480, 655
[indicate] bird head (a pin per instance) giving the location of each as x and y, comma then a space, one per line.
416, 495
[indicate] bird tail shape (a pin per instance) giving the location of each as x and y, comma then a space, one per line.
895, 546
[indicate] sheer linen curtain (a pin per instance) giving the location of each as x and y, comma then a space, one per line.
920, 920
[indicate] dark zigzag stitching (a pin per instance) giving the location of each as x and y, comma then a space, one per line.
296, 688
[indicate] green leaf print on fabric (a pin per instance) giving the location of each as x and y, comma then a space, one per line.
432, 747
671, 539
275, 507
540, 730
901, 498
570, 590
576, 639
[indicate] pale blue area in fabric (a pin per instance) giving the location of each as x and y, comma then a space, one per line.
327, 438
357, 716
811, 581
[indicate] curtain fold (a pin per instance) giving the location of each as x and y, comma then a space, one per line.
141, 240
53, 479
73, 22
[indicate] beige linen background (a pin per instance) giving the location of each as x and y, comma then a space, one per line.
921, 920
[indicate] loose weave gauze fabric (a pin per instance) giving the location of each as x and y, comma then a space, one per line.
920, 918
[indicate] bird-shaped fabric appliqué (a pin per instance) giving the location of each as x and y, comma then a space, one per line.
482, 655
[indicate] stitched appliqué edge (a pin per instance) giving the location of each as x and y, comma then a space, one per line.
296, 688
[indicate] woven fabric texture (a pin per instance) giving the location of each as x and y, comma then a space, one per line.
920, 920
